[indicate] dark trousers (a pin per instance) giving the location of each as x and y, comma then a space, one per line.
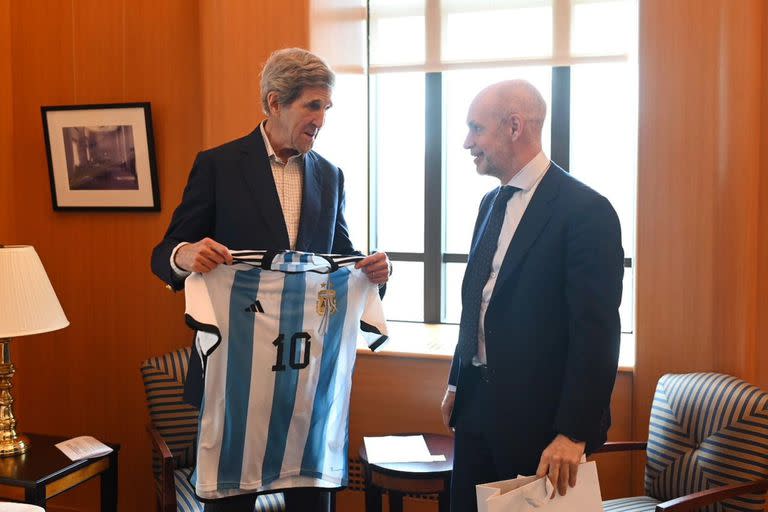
296, 500
473, 452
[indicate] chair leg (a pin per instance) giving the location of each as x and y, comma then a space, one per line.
444, 502
372, 499
395, 501
164, 506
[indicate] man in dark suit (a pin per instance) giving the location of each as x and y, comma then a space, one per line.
267, 190
531, 380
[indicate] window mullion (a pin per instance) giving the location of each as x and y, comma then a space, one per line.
433, 208
561, 116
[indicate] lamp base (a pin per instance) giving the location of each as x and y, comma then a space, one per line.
15, 446
11, 443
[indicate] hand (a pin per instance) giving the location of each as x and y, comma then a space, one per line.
376, 267
560, 462
447, 407
202, 256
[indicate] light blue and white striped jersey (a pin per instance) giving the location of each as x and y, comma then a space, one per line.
277, 333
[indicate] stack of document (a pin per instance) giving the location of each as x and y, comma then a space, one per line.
393, 449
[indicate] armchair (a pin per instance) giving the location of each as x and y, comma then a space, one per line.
172, 429
707, 447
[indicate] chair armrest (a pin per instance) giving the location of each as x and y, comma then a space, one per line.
700, 499
621, 446
159, 444
166, 483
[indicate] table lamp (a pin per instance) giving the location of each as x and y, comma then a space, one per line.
28, 305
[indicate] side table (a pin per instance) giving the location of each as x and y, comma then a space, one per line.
410, 477
44, 471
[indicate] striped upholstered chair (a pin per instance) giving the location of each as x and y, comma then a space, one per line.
173, 428
707, 447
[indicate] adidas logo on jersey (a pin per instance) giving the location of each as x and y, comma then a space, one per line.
254, 308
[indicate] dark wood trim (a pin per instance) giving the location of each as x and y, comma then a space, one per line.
166, 486
700, 499
620, 446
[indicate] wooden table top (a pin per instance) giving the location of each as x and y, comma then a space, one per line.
42, 463
438, 444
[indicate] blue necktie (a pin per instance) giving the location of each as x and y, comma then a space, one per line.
477, 274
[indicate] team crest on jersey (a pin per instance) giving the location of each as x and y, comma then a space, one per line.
326, 304
326, 299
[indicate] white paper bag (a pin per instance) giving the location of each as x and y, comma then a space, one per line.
531, 494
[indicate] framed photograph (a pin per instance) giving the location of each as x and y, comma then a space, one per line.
101, 157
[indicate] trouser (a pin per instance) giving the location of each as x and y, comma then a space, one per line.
296, 500
473, 457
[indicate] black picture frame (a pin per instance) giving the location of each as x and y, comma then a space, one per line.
101, 157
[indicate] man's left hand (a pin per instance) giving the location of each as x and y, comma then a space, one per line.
560, 462
376, 267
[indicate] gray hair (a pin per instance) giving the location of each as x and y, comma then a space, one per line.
288, 71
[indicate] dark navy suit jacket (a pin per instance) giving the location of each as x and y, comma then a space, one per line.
231, 197
552, 327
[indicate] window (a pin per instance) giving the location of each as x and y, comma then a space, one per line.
427, 60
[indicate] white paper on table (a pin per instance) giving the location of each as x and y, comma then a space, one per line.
83, 447
391, 449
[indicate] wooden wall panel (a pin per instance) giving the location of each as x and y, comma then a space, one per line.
98, 51
761, 358
738, 175
701, 82
85, 379
6, 126
676, 186
236, 37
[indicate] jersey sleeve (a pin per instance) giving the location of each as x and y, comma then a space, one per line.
200, 315
372, 323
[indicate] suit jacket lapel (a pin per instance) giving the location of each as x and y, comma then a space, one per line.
258, 175
535, 218
310, 204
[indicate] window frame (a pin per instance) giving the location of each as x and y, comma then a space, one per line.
434, 257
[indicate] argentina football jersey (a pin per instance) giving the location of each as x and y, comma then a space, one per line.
277, 333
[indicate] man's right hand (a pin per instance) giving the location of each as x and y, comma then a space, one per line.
447, 407
202, 256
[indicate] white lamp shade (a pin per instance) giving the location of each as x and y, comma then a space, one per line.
28, 304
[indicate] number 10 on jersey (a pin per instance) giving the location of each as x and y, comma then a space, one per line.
298, 341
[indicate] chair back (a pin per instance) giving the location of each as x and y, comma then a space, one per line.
175, 420
707, 430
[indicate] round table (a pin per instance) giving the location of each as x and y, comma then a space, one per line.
410, 477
